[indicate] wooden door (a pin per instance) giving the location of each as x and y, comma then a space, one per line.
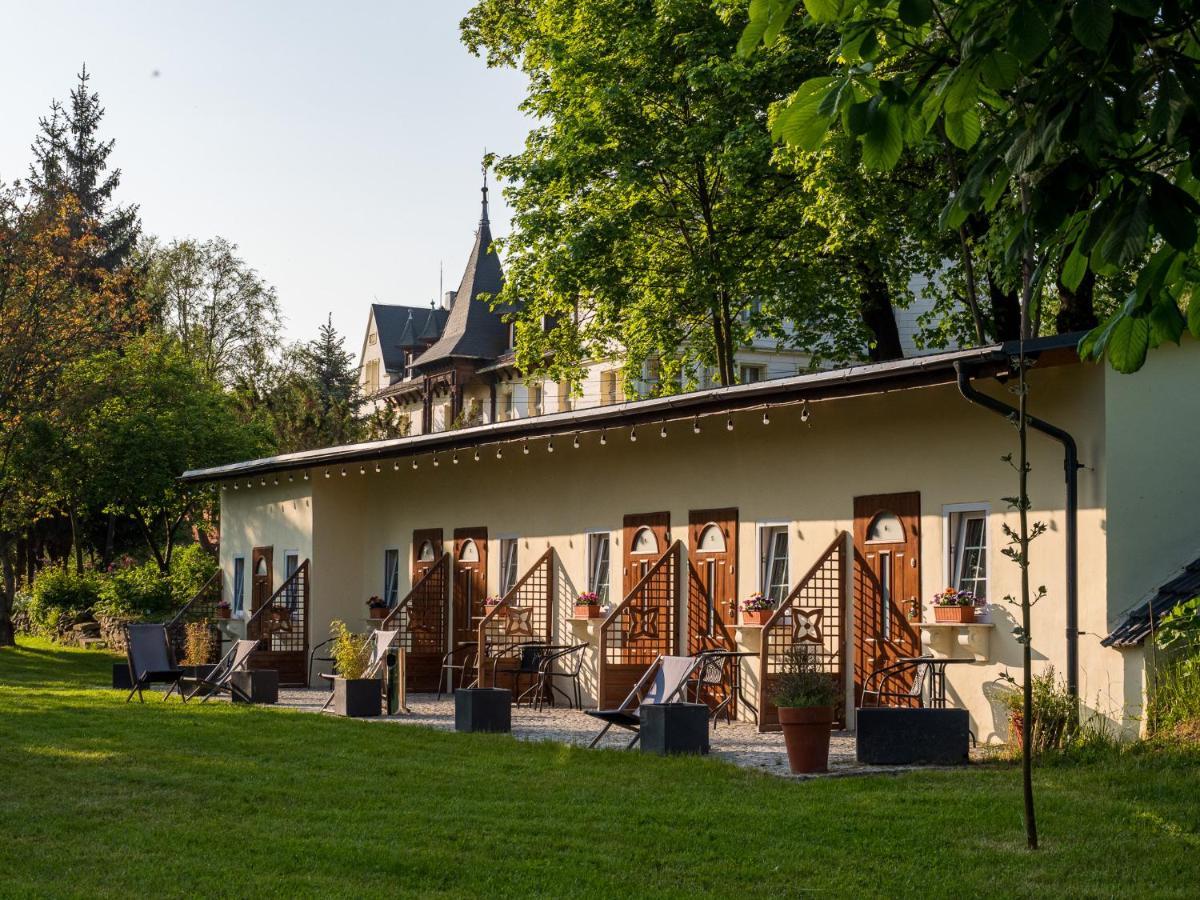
887, 579
426, 550
712, 589
262, 577
646, 537
470, 582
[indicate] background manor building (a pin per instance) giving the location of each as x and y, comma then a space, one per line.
453, 365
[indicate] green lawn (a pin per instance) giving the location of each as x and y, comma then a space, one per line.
101, 798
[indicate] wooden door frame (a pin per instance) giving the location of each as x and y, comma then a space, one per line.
906, 506
257, 553
660, 525
724, 608
479, 535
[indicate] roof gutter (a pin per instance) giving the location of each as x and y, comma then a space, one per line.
1071, 467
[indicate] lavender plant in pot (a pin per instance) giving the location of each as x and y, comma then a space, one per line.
805, 697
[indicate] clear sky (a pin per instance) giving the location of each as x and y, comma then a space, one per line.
338, 144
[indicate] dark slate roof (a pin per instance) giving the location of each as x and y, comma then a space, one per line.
473, 330
1138, 623
402, 328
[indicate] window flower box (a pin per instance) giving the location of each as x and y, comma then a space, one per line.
757, 609
378, 608
587, 606
953, 606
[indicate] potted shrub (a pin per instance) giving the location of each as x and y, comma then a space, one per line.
223, 609
353, 695
587, 606
757, 609
198, 644
805, 698
378, 608
954, 606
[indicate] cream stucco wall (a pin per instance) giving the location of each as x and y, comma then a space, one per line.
806, 475
278, 516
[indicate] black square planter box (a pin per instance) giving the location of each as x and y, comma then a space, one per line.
121, 679
483, 709
891, 736
193, 674
671, 728
256, 686
359, 698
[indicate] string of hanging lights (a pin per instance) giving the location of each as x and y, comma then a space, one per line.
576, 442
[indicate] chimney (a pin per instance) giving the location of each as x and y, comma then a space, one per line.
448, 299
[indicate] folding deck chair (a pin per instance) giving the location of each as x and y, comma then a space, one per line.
380, 643
662, 683
151, 659
220, 679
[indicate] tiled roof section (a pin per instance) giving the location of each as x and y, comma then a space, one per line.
401, 328
473, 330
1139, 622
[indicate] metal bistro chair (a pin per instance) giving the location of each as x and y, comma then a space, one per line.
710, 672
572, 658
462, 660
876, 685
529, 663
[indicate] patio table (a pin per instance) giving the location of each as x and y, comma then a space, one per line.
935, 677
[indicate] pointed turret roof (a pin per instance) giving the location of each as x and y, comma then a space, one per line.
473, 330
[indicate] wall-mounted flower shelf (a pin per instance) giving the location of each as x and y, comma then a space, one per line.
949, 640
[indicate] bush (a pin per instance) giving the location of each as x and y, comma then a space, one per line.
1174, 704
140, 592
347, 650
803, 684
191, 567
198, 643
57, 598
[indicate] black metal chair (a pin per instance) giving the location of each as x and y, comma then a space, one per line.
461, 659
879, 684
313, 658
711, 673
572, 657
529, 663
151, 659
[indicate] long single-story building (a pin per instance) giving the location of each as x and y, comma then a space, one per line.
848, 497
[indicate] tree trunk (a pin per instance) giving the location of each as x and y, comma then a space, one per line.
7, 593
1006, 312
110, 535
875, 307
75, 542
1076, 311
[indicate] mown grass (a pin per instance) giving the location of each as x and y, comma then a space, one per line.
103, 799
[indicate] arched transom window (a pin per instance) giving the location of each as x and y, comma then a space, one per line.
712, 539
644, 541
426, 554
469, 552
885, 528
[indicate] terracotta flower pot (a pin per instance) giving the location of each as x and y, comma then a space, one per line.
379, 612
958, 615
587, 612
806, 732
222, 613
756, 616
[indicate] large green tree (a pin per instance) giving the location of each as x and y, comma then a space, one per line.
70, 158
134, 420
648, 216
1077, 124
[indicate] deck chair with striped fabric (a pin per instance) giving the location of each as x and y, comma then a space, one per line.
151, 659
377, 648
220, 679
662, 683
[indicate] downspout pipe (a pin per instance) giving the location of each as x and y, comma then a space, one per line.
1071, 467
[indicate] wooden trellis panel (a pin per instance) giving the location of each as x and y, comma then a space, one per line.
200, 608
706, 631
524, 615
421, 617
281, 627
640, 629
813, 617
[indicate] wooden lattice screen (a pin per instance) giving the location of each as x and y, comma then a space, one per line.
281, 627
812, 618
524, 615
640, 629
421, 617
706, 631
200, 608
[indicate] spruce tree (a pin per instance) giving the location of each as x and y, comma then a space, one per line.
71, 159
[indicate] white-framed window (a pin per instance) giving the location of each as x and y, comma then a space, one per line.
773, 565
391, 575
291, 562
598, 546
508, 564
237, 602
750, 374
964, 527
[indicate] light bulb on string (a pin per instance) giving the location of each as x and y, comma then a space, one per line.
499, 453
306, 476
235, 487
343, 471
662, 432
575, 443
435, 460
377, 468
766, 417
550, 446
633, 434
396, 465
454, 459
729, 423
326, 473
603, 438
804, 412
696, 425
362, 470
414, 463
476, 454
525, 448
